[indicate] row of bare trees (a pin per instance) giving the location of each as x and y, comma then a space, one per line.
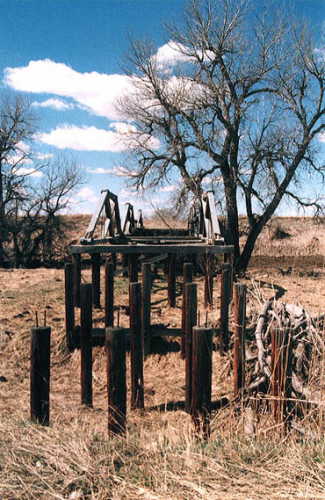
240, 105
33, 190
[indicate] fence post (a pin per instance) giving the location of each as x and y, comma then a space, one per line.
208, 282
95, 278
86, 344
172, 280
239, 338
40, 375
109, 293
146, 306
201, 379
115, 342
224, 305
133, 268
136, 347
190, 321
76, 260
69, 306
187, 278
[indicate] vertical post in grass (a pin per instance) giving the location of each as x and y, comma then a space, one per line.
86, 344
208, 282
172, 280
146, 306
109, 293
95, 278
187, 278
136, 347
239, 338
40, 375
115, 341
69, 306
190, 321
224, 305
201, 379
133, 268
76, 261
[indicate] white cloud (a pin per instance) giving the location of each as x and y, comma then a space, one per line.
98, 92
170, 54
43, 156
321, 137
168, 189
56, 104
28, 171
93, 139
99, 170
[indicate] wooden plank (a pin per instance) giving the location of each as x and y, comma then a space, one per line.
154, 249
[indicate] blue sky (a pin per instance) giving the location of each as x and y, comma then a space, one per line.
66, 56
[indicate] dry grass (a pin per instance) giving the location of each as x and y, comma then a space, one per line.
159, 458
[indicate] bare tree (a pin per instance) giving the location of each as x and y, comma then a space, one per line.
243, 107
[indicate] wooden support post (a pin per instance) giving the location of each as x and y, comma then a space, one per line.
239, 338
281, 374
190, 321
40, 375
224, 306
187, 278
133, 268
95, 278
146, 306
69, 306
172, 280
125, 262
201, 379
76, 260
136, 347
208, 282
86, 344
116, 379
109, 293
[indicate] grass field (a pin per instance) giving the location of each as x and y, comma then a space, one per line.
160, 457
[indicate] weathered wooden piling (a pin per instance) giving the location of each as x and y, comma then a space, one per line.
69, 306
95, 278
76, 261
224, 305
187, 278
133, 268
109, 293
239, 338
201, 379
86, 344
40, 375
172, 280
115, 342
136, 347
146, 306
208, 282
190, 321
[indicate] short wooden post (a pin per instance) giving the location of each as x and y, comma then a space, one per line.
201, 379
40, 375
190, 321
76, 261
109, 293
136, 347
133, 268
281, 374
239, 338
116, 379
95, 278
208, 282
187, 278
86, 344
146, 306
224, 305
69, 306
172, 280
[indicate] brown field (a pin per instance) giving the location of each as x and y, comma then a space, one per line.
160, 458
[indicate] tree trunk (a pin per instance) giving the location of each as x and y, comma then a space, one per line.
232, 227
